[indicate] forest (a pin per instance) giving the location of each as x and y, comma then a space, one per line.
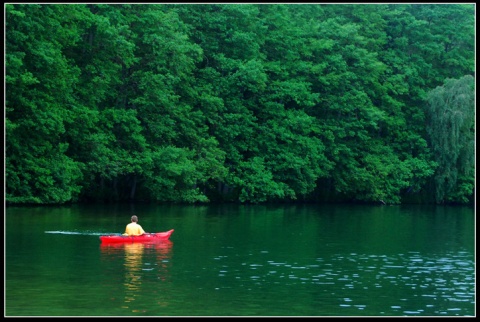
247, 103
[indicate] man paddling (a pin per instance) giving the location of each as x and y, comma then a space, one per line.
133, 228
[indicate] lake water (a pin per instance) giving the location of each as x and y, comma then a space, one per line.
242, 260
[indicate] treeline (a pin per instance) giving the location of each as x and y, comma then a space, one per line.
239, 103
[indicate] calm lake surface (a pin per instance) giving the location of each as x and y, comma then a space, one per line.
234, 260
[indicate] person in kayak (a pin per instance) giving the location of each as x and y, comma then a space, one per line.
133, 228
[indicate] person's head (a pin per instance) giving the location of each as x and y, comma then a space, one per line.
134, 218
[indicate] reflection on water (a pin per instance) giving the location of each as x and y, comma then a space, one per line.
243, 261
133, 267
140, 261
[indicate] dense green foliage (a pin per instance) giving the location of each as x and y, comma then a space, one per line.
450, 127
239, 102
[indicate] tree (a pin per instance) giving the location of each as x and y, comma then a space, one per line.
40, 84
450, 127
238, 102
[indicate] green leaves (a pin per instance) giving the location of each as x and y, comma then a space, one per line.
450, 127
247, 103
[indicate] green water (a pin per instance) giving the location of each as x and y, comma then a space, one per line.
293, 260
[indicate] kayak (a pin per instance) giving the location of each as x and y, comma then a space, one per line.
145, 238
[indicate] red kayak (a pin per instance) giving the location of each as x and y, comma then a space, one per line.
145, 238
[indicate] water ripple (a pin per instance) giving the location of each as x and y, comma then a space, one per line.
348, 276
86, 233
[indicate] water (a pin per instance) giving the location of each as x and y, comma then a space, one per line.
230, 260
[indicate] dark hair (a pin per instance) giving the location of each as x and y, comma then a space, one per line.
134, 218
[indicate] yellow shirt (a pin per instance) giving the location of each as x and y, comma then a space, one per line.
134, 229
